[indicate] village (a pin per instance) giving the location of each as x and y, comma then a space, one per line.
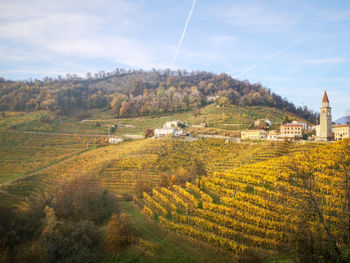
295, 130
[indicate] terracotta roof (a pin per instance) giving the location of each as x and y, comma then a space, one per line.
325, 97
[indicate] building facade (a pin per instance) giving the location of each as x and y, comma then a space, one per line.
341, 132
290, 130
161, 132
253, 135
325, 131
114, 139
273, 135
169, 132
304, 125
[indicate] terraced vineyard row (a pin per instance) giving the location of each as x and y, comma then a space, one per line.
256, 206
21, 153
88, 163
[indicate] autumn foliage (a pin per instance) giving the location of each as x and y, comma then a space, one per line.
298, 203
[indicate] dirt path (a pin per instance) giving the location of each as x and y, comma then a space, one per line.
67, 134
132, 136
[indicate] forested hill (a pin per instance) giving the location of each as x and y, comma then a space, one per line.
139, 93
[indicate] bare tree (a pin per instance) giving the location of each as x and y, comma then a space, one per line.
198, 170
302, 174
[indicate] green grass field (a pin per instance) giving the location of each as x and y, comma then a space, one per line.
229, 118
172, 247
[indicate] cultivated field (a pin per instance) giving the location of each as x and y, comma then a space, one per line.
24, 153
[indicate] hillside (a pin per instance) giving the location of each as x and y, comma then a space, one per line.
222, 119
139, 93
236, 207
269, 207
122, 167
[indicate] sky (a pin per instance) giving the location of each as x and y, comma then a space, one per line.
296, 48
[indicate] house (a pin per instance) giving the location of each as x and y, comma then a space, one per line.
161, 132
253, 135
273, 135
115, 139
170, 132
341, 131
305, 125
170, 129
291, 131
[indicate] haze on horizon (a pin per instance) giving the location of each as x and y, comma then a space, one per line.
298, 49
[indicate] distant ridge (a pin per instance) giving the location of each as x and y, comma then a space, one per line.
343, 120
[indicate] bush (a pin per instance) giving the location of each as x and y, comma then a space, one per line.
118, 233
74, 242
84, 198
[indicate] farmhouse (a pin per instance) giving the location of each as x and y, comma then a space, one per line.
290, 130
253, 135
273, 135
170, 129
170, 132
115, 139
341, 131
304, 125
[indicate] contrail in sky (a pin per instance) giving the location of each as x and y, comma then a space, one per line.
184, 32
271, 56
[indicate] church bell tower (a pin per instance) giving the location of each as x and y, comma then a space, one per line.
325, 120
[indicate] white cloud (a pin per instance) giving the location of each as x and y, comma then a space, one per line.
69, 28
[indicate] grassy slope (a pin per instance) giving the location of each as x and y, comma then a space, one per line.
227, 118
173, 247
32, 121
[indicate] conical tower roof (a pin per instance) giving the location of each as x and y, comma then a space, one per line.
325, 97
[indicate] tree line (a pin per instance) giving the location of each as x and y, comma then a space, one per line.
139, 93
80, 221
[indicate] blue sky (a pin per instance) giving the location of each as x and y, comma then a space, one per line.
298, 49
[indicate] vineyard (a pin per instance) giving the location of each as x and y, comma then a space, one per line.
88, 163
22, 153
122, 168
252, 198
257, 206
